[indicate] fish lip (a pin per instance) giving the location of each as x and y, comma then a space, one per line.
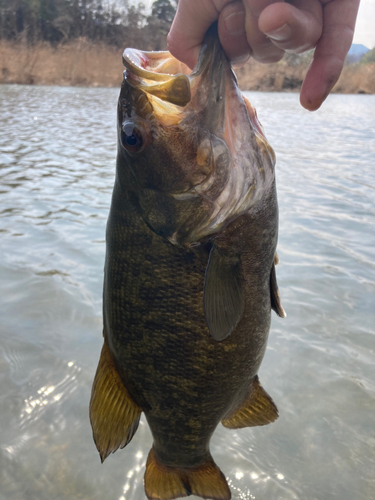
136, 61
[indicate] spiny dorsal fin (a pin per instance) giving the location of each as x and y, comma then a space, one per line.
223, 297
165, 483
258, 409
114, 416
275, 295
276, 260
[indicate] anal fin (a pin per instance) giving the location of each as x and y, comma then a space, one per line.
114, 416
258, 409
166, 483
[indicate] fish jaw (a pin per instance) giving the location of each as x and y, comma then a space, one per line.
206, 148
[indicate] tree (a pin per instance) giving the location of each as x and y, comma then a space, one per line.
164, 10
369, 57
121, 23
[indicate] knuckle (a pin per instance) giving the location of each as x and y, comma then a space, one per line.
269, 58
267, 52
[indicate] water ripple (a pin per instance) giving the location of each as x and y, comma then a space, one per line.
57, 158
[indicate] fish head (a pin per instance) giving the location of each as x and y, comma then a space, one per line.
192, 155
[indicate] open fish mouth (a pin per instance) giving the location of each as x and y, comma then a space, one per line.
159, 74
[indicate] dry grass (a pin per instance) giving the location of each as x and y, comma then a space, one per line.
270, 77
355, 78
85, 64
76, 63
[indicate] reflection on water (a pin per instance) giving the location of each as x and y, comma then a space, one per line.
57, 157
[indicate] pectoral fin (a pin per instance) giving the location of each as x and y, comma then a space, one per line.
223, 297
275, 296
258, 409
114, 416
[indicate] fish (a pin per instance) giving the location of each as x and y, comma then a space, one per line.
189, 277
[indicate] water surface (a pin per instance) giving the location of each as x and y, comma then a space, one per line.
57, 161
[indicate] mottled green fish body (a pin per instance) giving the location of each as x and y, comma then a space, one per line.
190, 269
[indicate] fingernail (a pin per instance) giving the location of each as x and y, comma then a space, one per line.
240, 60
235, 23
280, 34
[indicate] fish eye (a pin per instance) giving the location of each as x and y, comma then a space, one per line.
131, 138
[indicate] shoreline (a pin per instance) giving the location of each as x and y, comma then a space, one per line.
84, 64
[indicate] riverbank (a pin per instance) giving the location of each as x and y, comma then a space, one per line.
81, 63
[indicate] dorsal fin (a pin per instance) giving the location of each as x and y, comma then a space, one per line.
258, 409
114, 416
276, 260
275, 295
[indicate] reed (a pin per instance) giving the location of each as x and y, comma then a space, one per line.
81, 63
354, 79
75, 63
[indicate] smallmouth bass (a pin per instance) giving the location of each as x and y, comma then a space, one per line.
189, 278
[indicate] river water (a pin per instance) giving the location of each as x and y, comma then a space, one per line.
57, 162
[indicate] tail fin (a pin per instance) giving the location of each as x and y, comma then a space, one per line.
165, 483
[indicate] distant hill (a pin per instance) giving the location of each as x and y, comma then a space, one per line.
357, 50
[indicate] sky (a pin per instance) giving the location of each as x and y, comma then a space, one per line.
365, 27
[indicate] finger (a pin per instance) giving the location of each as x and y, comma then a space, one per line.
339, 18
231, 28
263, 50
192, 20
295, 27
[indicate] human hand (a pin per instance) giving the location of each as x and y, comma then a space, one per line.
265, 29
